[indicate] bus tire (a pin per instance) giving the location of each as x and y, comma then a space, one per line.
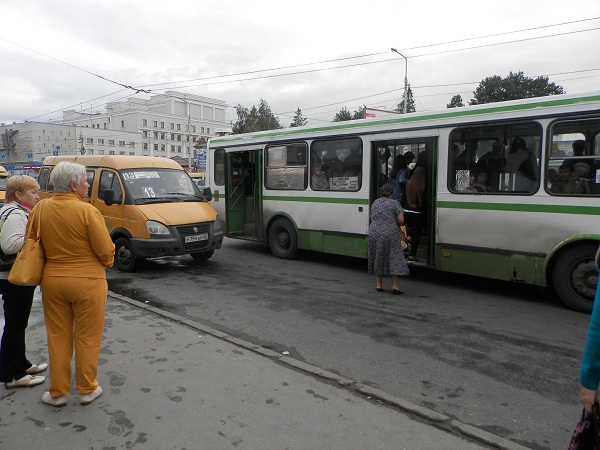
202, 256
283, 239
124, 257
575, 277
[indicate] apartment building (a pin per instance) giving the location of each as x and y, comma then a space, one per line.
170, 124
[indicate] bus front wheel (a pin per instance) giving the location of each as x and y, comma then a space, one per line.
283, 239
575, 277
124, 257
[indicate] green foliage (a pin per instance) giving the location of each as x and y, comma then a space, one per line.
299, 121
359, 113
343, 115
255, 119
410, 102
456, 102
515, 86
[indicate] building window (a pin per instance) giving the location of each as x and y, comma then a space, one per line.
122, 124
131, 153
156, 135
155, 124
162, 124
111, 152
162, 147
105, 126
132, 144
89, 140
122, 153
144, 134
111, 142
101, 152
179, 149
144, 122
156, 147
178, 127
145, 146
202, 130
179, 137
162, 135
100, 141
207, 130
172, 126
172, 148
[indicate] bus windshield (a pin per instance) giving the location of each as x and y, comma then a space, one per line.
159, 185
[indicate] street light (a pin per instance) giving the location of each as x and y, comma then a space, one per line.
405, 79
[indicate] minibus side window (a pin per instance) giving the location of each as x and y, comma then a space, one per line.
43, 178
110, 180
90, 179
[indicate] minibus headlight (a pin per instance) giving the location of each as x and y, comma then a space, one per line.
154, 227
218, 226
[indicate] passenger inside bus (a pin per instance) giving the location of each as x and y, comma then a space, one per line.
493, 164
521, 163
567, 183
582, 166
318, 180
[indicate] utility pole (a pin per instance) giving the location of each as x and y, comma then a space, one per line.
405, 79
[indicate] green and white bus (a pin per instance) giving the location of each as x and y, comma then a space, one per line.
529, 226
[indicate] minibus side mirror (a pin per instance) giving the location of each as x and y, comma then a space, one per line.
109, 197
207, 194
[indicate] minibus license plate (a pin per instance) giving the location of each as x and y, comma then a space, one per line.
196, 237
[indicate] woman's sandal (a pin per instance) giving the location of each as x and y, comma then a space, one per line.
378, 289
397, 291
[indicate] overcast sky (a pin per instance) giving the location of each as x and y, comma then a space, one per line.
319, 56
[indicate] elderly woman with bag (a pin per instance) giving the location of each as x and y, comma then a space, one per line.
15, 369
78, 250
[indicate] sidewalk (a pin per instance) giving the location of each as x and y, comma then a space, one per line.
173, 383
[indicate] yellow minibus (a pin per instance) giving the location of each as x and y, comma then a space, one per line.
150, 205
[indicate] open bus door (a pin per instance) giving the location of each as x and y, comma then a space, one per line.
244, 194
383, 156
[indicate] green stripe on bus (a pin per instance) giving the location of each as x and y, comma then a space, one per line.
520, 207
350, 201
408, 118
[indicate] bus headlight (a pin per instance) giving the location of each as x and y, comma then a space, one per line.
154, 227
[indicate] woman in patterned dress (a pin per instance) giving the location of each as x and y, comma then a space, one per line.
386, 258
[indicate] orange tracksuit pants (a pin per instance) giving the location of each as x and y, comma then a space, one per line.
74, 310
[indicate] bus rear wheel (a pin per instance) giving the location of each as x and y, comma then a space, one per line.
575, 277
283, 239
124, 257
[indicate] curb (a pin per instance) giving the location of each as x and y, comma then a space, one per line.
435, 419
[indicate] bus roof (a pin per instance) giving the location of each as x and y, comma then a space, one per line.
525, 107
115, 161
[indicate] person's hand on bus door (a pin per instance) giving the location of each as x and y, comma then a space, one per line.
587, 397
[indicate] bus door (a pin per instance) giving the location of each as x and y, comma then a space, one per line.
243, 194
384, 153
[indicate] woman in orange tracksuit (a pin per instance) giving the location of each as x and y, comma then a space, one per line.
78, 250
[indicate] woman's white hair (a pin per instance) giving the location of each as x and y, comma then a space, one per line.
65, 172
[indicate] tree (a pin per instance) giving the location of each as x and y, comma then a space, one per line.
456, 102
410, 102
299, 121
359, 113
515, 86
343, 115
255, 119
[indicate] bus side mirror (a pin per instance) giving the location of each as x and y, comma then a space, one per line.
207, 194
109, 197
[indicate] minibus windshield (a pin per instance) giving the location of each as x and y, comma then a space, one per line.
155, 184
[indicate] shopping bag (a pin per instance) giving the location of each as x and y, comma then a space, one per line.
587, 432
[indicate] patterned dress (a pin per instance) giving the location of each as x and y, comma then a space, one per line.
385, 249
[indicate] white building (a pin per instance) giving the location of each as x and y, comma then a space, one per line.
167, 125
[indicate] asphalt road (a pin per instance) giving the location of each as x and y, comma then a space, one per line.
499, 356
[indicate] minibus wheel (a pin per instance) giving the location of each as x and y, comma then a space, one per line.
575, 277
124, 257
283, 239
202, 256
